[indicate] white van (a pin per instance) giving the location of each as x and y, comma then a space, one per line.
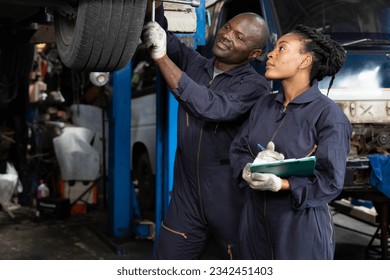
143, 133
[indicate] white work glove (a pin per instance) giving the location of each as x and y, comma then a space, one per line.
268, 154
154, 39
261, 181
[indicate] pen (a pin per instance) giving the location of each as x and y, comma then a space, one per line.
260, 147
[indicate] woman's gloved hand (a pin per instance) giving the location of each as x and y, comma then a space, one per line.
268, 154
261, 181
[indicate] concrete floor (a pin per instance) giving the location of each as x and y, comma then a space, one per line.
81, 237
84, 237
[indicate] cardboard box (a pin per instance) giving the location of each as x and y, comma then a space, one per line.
80, 194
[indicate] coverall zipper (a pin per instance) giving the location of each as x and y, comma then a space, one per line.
216, 127
229, 247
280, 125
198, 172
331, 227
198, 175
250, 151
273, 136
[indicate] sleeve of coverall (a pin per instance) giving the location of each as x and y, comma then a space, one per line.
334, 132
221, 104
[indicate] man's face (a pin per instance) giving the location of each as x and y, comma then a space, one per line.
234, 41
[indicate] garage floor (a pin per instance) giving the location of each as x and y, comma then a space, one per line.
84, 237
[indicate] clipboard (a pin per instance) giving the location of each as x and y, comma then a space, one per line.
288, 167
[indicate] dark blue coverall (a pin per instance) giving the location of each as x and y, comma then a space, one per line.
293, 224
204, 199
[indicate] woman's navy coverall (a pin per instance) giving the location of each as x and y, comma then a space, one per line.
204, 199
295, 224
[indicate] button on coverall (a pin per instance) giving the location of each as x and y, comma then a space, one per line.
293, 224
204, 199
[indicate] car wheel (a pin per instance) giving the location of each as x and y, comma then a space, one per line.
103, 36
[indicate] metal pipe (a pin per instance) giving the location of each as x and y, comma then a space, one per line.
153, 10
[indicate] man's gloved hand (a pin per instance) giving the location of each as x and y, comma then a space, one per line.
154, 39
268, 154
261, 181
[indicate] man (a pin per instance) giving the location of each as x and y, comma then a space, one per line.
215, 97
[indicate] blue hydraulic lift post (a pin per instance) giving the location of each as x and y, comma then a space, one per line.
119, 187
200, 34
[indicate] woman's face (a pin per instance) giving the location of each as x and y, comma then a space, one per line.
285, 59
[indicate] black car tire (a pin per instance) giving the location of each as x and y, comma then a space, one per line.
102, 37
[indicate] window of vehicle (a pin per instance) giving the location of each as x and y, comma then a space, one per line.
345, 20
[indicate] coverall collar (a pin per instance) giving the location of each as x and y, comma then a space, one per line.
209, 67
306, 97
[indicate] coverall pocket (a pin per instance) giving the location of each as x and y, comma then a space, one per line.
182, 234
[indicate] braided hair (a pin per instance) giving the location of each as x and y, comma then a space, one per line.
328, 55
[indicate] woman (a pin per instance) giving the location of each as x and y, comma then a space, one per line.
288, 218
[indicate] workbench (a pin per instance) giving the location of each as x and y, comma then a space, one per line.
381, 203
358, 186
